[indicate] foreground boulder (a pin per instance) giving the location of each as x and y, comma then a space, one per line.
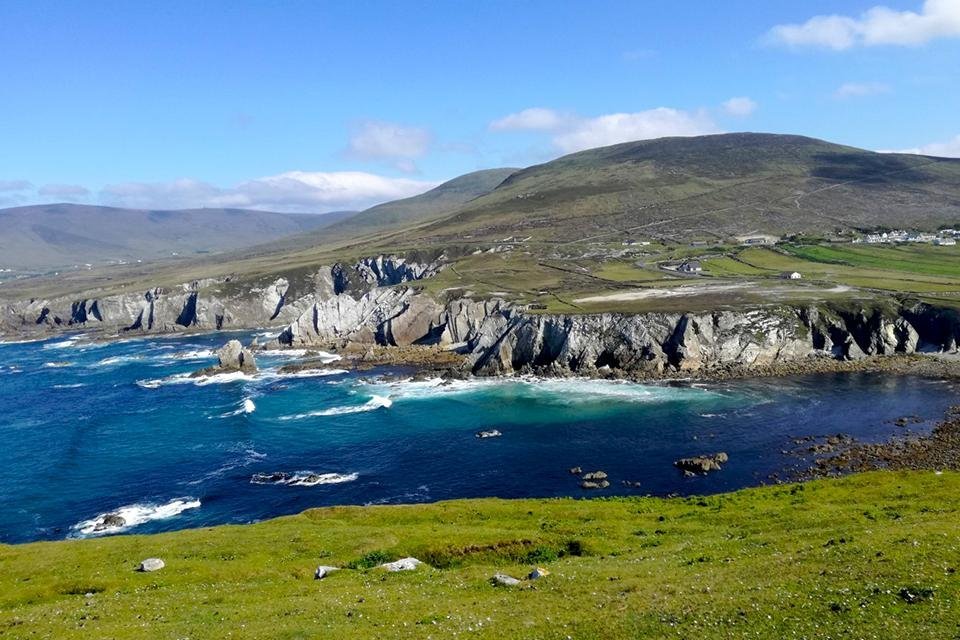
151, 564
702, 464
403, 564
323, 571
503, 580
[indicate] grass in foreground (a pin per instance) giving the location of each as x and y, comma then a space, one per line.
867, 556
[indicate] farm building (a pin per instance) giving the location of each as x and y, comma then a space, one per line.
791, 275
690, 266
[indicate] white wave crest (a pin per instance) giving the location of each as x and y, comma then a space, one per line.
57, 365
200, 381
558, 390
133, 515
196, 354
106, 362
302, 478
374, 403
75, 385
311, 373
324, 356
63, 344
246, 407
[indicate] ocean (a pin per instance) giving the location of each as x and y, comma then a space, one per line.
91, 428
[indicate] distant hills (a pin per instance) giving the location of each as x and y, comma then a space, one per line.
57, 236
710, 187
678, 190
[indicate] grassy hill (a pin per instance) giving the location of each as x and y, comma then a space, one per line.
866, 556
560, 227
46, 237
713, 188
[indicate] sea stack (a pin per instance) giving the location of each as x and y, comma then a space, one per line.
231, 357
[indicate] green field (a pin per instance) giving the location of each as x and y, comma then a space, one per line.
867, 556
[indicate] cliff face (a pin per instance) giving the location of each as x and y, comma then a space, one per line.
212, 303
659, 342
375, 301
499, 338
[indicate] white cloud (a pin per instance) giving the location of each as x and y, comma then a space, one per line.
378, 140
573, 133
14, 185
533, 119
860, 89
294, 191
877, 26
740, 106
67, 191
948, 149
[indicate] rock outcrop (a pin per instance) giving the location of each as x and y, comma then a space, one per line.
701, 464
231, 357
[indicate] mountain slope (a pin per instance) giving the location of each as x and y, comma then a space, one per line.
444, 198
712, 187
43, 237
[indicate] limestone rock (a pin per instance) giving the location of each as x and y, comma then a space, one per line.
503, 580
151, 564
403, 564
233, 356
323, 571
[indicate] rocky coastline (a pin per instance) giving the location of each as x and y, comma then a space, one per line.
376, 312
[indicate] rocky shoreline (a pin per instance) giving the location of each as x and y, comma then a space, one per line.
938, 451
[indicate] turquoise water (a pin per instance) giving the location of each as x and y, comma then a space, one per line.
90, 429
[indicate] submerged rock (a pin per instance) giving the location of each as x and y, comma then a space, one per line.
492, 433
151, 564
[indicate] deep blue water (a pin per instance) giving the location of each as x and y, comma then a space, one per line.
88, 429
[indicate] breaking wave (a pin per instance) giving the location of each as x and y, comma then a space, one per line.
247, 406
133, 515
374, 403
200, 381
302, 478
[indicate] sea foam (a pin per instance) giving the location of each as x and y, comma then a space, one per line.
134, 515
302, 478
374, 403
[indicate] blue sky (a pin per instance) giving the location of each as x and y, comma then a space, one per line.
317, 106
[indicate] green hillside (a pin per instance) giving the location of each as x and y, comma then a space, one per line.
866, 556
713, 188
442, 199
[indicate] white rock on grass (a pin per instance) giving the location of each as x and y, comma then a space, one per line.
503, 580
403, 564
151, 564
323, 571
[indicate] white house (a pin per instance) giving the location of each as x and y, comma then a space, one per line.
945, 242
690, 266
791, 275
